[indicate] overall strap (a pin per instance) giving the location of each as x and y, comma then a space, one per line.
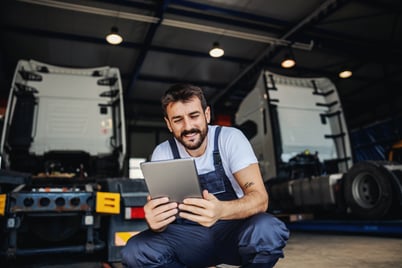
173, 147
216, 155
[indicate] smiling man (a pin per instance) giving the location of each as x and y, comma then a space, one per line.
229, 224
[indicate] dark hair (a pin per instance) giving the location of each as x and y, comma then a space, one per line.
183, 93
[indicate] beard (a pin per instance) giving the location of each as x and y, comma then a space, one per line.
197, 140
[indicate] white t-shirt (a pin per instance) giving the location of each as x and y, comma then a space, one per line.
234, 148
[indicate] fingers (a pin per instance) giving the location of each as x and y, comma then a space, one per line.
155, 203
195, 209
202, 220
205, 194
160, 212
201, 202
166, 210
202, 210
210, 197
163, 219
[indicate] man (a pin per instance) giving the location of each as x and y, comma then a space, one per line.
229, 224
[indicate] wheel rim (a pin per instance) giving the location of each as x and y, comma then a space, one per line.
366, 191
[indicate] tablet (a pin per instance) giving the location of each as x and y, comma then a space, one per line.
176, 179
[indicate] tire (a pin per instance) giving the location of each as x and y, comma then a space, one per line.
368, 190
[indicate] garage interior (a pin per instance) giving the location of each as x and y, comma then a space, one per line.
168, 42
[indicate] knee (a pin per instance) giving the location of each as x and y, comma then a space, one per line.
130, 252
267, 224
266, 232
147, 249
262, 239
138, 252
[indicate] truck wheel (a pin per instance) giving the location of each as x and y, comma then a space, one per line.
368, 190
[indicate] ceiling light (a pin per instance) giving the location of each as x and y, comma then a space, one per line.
113, 37
288, 62
216, 51
345, 74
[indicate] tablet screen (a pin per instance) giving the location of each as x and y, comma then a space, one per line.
176, 179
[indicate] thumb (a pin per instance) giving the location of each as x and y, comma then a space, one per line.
206, 195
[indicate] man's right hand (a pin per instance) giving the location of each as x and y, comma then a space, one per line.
159, 212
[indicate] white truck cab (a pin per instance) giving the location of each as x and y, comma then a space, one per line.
64, 119
63, 182
298, 131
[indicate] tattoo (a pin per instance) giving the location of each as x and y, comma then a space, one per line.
248, 184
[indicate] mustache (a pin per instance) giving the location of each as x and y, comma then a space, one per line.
190, 131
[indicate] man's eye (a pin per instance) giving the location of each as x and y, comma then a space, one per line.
177, 121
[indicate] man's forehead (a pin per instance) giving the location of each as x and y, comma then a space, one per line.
189, 106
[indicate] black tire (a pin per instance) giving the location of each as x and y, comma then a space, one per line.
368, 190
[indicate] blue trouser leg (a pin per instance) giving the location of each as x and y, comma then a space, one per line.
255, 242
259, 239
180, 245
262, 239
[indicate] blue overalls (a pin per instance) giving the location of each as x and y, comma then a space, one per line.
253, 242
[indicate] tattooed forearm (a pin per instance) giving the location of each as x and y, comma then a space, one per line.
248, 184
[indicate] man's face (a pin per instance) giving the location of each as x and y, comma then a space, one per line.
189, 123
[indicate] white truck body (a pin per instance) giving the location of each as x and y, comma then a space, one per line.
63, 148
73, 110
304, 120
299, 134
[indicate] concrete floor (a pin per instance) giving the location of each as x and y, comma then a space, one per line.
312, 250
315, 250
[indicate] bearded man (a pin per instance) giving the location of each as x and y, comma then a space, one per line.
229, 224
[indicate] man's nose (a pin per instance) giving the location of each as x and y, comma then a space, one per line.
187, 123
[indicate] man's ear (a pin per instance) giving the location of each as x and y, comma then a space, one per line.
208, 114
168, 124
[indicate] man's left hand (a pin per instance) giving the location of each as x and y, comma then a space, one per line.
206, 211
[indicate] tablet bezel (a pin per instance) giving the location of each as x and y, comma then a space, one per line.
163, 177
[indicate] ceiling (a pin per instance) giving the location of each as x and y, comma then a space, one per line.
166, 42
